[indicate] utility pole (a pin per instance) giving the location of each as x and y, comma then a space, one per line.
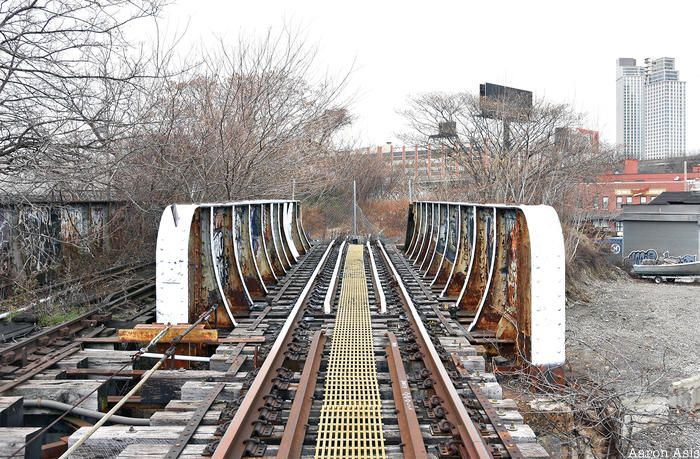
410, 191
294, 185
354, 208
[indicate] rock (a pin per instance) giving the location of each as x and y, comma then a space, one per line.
643, 413
552, 412
685, 394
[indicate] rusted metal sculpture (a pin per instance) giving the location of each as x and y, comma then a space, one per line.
225, 253
501, 267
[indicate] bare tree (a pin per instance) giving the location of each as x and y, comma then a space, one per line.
68, 75
508, 151
244, 124
518, 153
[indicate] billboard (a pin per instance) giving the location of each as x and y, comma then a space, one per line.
503, 102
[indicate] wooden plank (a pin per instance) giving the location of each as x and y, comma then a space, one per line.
14, 438
66, 391
165, 385
158, 451
110, 441
242, 339
82, 372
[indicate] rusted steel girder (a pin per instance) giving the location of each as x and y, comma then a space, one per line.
507, 277
227, 254
144, 333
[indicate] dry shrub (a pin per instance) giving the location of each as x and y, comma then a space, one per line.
591, 263
389, 217
314, 221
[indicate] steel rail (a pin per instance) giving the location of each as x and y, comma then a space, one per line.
409, 427
292, 439
377, 282
468, 431
20, 349
334, 279
499, 426
241, 426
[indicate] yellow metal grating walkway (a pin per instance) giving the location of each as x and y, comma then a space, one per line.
351, 419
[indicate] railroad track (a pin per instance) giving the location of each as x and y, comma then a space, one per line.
19, 318
349, 354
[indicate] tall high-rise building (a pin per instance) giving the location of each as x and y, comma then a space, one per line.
630, 107
650, 109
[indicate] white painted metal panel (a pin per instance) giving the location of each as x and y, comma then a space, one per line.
547, 285
172, 250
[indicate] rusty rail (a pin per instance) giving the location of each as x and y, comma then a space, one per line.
409, 427
293, 436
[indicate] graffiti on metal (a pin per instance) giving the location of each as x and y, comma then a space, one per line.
225, 254
636, 257
36, 240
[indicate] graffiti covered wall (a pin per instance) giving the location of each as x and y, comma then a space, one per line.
37, 239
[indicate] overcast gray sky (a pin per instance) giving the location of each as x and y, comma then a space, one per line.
564, 51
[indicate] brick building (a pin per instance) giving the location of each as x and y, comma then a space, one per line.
637, 182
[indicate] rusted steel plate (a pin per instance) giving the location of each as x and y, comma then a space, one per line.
465, 253
444, 274
288, 230
498, 313
225, 254
420, 236
300, 228
410, 227
284, 241
294, 229
270, 241
220, 267
257, 246
277, 236
440, 243
430, 237
476, 287
245, 257
145, 333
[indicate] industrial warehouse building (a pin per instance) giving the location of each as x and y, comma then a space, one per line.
670, 223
